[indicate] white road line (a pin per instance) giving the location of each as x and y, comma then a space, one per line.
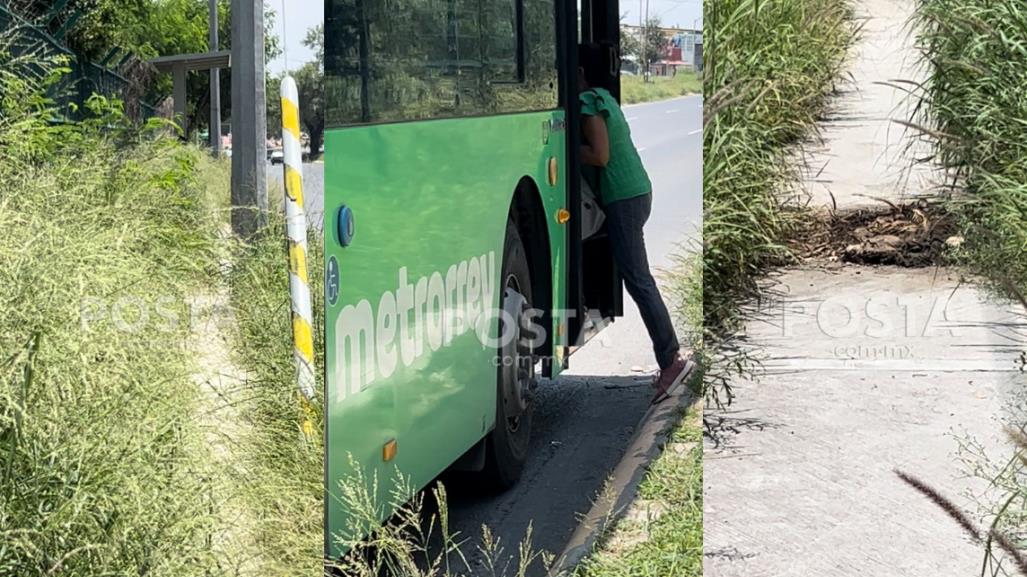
641, 149
673, 111
694, 132
632, 119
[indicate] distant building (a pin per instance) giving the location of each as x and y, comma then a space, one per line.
684, 51
689, 44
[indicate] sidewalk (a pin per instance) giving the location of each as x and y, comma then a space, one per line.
864, 154
866, 370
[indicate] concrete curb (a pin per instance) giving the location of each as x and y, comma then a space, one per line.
621, 489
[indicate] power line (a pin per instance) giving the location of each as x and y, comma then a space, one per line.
285, 39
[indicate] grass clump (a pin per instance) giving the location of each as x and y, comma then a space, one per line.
104, 469
770, 69
663, 532
284, 491
417, 540
973, 111
635, 90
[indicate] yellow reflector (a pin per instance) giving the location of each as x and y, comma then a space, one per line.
554, 171
389, 451
563, 215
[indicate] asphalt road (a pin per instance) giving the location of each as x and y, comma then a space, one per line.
313, 189
586, 418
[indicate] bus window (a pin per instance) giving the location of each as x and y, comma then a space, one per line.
443, 59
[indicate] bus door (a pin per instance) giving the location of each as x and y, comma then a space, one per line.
595, 286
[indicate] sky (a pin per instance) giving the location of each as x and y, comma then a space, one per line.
299, 16
676, 13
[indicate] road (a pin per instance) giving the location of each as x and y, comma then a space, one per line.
586, 418
313, 189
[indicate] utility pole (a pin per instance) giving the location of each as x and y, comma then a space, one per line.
249, 119
643, 57
647, 38
215, 86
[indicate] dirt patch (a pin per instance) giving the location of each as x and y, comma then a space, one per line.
909, 235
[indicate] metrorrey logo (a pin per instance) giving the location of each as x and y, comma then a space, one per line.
416, 318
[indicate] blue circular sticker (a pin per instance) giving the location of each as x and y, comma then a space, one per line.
345, 226
332, 281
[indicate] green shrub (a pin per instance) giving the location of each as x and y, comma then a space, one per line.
284, 491
975, 103
974, 111
105, 234
770, 67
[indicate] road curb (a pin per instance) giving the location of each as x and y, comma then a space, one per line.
621, 489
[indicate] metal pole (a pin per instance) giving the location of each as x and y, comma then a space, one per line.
643, 58
215, 86
647, 38
180, 77
249, 119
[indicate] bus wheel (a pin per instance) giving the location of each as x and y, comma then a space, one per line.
507, 447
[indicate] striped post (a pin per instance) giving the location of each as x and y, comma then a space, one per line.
296, 223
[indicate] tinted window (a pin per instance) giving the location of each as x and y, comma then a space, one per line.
394, 60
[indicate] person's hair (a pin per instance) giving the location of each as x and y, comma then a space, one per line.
594, 59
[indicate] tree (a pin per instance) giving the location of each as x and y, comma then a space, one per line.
310, 81
315, 40
273, 93
656, 45
630, 45
146, 29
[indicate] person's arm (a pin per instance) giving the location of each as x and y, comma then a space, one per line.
595, 151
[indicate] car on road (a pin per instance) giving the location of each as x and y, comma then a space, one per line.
276, 156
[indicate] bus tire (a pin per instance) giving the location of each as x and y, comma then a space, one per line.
508, 444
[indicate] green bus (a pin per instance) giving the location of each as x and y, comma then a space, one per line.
455, 269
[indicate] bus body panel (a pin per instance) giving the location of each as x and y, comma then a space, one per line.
429, 202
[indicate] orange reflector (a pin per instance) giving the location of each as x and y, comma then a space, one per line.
563, 215
389, 451
554, 171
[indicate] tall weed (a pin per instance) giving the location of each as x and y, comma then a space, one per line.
974, 112
770, 67
105, 233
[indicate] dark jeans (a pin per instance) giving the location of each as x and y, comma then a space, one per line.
624, 222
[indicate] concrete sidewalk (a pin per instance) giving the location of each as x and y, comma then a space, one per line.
864, 154
866, 370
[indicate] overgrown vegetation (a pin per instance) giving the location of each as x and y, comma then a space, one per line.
284, 468
107, 230
663, 533
770, 67
141, 30
634, 90
973, 111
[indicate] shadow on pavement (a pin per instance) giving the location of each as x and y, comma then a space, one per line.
583, 425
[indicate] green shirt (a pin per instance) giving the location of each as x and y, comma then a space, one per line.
624, 176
